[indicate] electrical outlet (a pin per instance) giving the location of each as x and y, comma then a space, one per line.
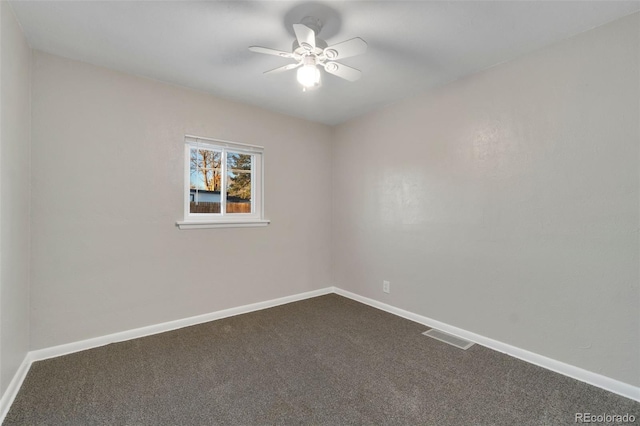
386, 286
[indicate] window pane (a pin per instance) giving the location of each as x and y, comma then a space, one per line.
205, 180
239, 182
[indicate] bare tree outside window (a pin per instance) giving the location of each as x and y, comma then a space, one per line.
206, 169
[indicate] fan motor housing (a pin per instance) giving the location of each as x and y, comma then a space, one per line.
299, 50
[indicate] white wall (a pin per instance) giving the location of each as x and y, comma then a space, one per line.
15, 128
507, 203
107, 189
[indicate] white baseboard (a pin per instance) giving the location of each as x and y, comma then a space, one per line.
14, 386
82, 345
595, 379
55, 351
609, 384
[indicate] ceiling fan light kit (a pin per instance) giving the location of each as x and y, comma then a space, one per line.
310, 52
309, 74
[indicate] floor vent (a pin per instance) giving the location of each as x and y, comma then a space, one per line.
448, 338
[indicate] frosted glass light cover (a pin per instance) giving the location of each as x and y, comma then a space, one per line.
308, 75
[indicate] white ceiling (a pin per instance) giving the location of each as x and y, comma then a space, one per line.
413, 46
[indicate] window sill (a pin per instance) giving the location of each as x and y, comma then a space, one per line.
202, 224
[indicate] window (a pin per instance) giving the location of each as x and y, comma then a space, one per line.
223, 184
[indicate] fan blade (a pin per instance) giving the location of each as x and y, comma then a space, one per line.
342, 71
306, 36
284, 68
268, 51
353, 47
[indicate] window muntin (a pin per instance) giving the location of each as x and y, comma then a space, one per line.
223, 181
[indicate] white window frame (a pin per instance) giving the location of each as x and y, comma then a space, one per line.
224, 219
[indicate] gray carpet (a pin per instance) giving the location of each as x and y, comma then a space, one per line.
327, 360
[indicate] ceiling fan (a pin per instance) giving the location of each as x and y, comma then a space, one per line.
310, 52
